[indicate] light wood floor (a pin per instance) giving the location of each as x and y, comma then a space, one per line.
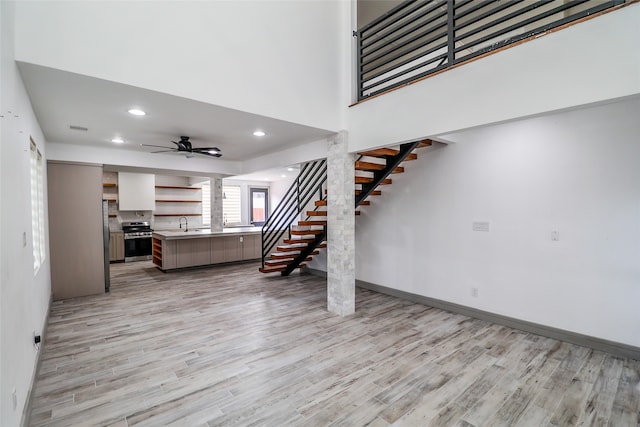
232, 347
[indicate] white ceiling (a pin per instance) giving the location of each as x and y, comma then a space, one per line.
61, 99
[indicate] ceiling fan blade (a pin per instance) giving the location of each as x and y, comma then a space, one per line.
210, 151
206, 149
170, 150
206, 153
157, 146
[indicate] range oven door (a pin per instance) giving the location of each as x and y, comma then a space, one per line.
137, 248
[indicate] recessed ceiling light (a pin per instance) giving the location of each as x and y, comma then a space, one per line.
258, 133
117, 140
137, 112
290, 169
283, 176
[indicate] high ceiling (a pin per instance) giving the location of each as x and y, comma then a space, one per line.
61, 99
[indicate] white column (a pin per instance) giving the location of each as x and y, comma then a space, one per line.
216, 204
341, 276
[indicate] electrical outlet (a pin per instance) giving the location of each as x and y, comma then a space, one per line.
474, 292
555, 236
480, 226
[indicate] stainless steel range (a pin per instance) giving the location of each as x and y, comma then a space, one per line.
137, 240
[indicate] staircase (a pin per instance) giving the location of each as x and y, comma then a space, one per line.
296, 241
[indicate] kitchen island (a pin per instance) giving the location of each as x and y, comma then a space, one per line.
176, 249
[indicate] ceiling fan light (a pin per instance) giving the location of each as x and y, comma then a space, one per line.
213, 151
117, 140
259, 133
137, 112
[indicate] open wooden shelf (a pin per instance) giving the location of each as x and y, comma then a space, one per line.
182, 214
179, 188
178, 201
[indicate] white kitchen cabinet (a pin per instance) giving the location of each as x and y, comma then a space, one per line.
136, 191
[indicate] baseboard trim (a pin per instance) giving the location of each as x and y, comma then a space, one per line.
28, 406
615, 348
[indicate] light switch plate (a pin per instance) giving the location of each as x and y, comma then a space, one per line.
480, 226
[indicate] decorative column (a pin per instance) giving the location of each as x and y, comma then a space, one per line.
341, 275
216, 204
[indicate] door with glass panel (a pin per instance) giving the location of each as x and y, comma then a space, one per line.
259, 208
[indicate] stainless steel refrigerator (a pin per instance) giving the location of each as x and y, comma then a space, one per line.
106, 236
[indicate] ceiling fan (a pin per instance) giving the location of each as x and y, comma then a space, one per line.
184, 145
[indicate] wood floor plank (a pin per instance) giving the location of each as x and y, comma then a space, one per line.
227, 346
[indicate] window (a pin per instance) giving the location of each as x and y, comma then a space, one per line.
37, 206
259, 205
231, 205
206, 203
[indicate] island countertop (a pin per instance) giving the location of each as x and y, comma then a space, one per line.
204, 232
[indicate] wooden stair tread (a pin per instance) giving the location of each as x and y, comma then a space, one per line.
373, 193
317, 213
305, 232
425, 143
309, 223
293, 241
368, 166
291, 247
299, 227
320, 203
284, 255
367, 180
380, 152
372, 167
411, 156
365, 203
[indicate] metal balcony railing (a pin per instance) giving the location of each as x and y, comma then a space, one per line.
419, 37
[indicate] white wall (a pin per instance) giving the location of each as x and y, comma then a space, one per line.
24, 295
279, 59
590, 62
576, 172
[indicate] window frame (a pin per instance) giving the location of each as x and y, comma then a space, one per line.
38, 233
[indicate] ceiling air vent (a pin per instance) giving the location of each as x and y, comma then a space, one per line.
82, 128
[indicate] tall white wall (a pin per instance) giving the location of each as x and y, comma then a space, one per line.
279, 59
24, 295
577, 173
590, 62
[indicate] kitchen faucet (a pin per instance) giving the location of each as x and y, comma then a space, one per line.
186, 223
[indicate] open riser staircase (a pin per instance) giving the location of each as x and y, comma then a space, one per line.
289, 242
